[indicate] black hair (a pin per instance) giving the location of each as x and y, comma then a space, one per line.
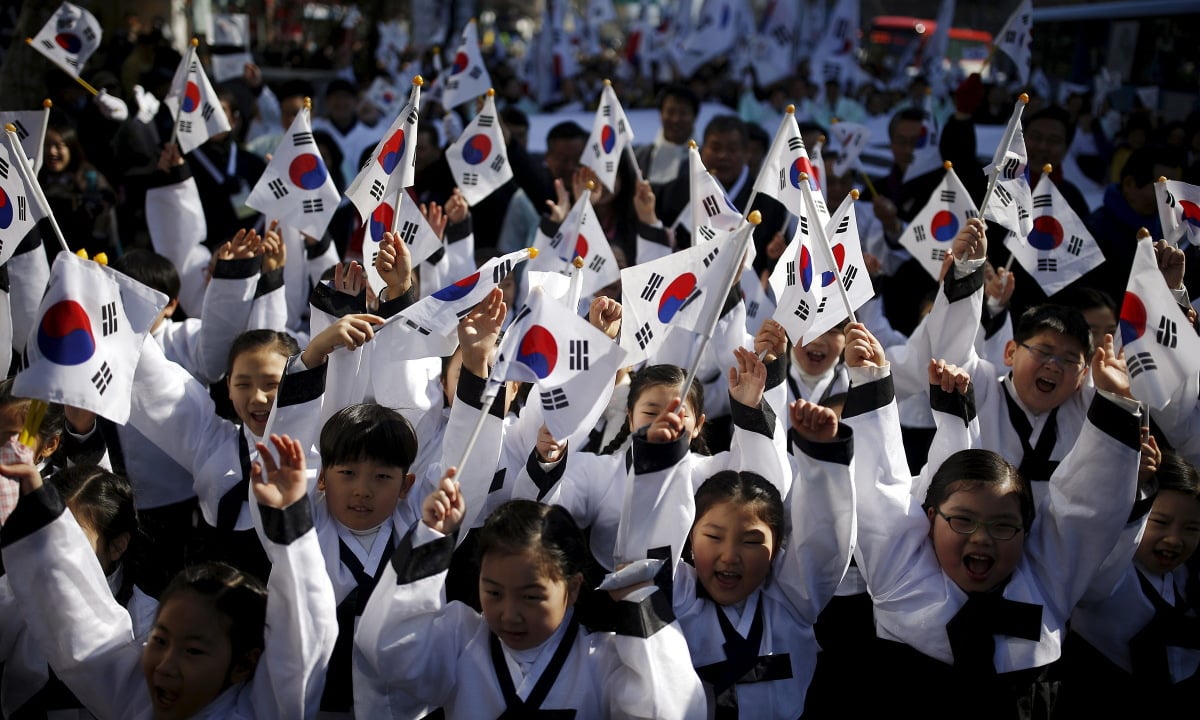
1175, 473
368, 432
101, 499
519, 526
70, 137
1056, 114
910, 113
333, 163
682, 93
566, 130
744, 488
295, 88
654, 376
725, 124
239, 596
756, 133
1084, 298
1141, 162
964, 468
1059, 318
340, 85
253, 340
514, 117
54, 421
150, 269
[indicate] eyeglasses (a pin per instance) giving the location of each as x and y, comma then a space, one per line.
997, 529
1070, 365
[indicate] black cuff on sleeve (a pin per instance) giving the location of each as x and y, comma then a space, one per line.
732, 299
993, 324
839, 450
392, 306
777, 371
33, 512
269, 282
497, 481
548, 227
458, 231
1147, 492
300, 387
545, 479
651, 457
317, 249
953, 403
759, 419
642, 619
656, 235
5, 284
470, 390
31, 241
237, 268
1113, 420
338, 304
862, 399
417, 563
173, 176
283, 526
957, 288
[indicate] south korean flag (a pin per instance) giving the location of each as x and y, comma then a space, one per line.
786, 163
86, 343
1178, 211
611, 134
28, 124
468, 77
17, 205
296, 185
390, 167
479, 158
1011, 205
852, 139
410, 227
1059, 249
194, 105
798, 282
930, 235
579, 236
68, 38
848, 267
1161, 349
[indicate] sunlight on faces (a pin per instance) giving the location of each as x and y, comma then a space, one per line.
523, 601
678, 120
1172, 532
57, 155
732, 549
12, 420
187, 660
978, 562
654, 400
253, 384
108, 553
1043, 386
817, 357
724, 154
562, 157
1101, 321
363, 494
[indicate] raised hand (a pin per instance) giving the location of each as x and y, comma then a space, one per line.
273, 248
862, 349
813, 422
479, 330
950, 378
561, 205
436, 217
456, 208
1151, 456
643, 203
605, 315
998, 284
771, 339
747, 378
444, 509
549, 449
349, 278
394, 264
283, 483
668, 426
971, 241
1108, 369
1171, 263
245, 244
350, 332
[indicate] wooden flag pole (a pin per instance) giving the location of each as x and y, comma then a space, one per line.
83, 83
22, 164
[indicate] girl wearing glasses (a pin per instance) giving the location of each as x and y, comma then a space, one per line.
973, 590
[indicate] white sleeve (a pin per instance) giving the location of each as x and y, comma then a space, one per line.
202, 345
269, 309
175, 218
475, 479
1179, 420
28, 275
660, 502
297, 411
957, 423
947, 333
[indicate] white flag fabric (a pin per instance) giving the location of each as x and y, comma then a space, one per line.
29, 131
1015, 39
87, 340
390, 167
679, 290
1179, 211
1161, 350
68, 38
579, 236
817, 161
296, 186
17, 205
411, 227
759, 305
773, 48
468, 77
385, 96
549, 345
852, 139
796, 282
927, 157
230, 32
779, 176
848, 265
1011, 205
1059, 249
715, 33
611, 134
479, 158
931, 232
709, 204
194, 105
937, 48
835, 56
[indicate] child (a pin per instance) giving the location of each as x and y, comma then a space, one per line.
102, 503
206, 654
817, 372
1134, 650
972, 592
527, 652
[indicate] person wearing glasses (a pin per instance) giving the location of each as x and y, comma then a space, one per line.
972, 583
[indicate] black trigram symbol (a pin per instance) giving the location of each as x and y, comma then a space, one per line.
1041, 201
937, 255
841, 28
782, 35
803, 310
419, 328
596, 149
804, 224
1140, 363
791, 272
277, 188
919, 233
848, 278
475, 72
606, 110
643, 336
470, 178
706, 232
1010, 168
103, 377
108, 318
820, 204
314, 205
501, 271
782, 179
821, 305
302, 138
1075, 245
452, 84
486, 121
207, 111
711, 207
1167, 335
1004, 196
460, 314
3, 168
1022, 213
1010, 36
373, 258
652, 286
578, 352
72, 61
185, 126
521, 315
948, 196
621, 126
22, 133
89, 34
709, 258
65, 21
596, 263
752, 309
843, 226
1170, 197
21, 208
48, 44
608, 166
795, 144
376, 191
498, 163
412, 117
408, 232
1047, 264
557, 240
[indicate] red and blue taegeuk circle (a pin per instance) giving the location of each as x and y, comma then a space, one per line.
581, 250
608, 138
69, 42
675, 296
461, 61
923, 138
392, 151
381, 221
6, 210
477, 148
806, 268
1047, 233
538, 351
800, 165
943, 226
191, 97
1191, 213
839, 255
307, 172
1133, 318
64, 335
458, 290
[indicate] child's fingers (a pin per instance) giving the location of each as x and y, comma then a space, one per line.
265, 459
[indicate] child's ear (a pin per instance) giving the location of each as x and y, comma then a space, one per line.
1010, 352
699, 426
406, 485
48, 449
243, 669
930, 513
573, 587
117, 547
321, 480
